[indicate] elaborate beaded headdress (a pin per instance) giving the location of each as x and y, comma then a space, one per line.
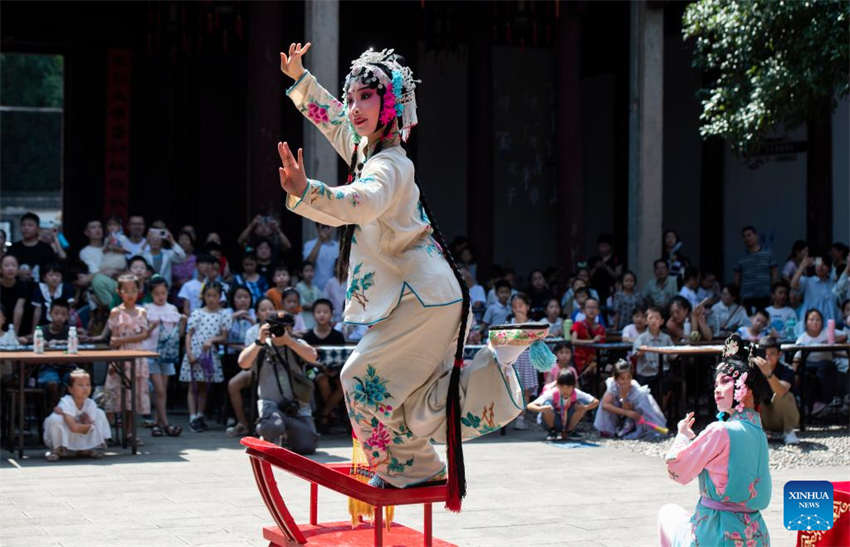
737, 362
395, 83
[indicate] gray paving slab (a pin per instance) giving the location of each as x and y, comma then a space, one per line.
198, 489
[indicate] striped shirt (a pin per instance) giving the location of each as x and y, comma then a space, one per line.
754, 268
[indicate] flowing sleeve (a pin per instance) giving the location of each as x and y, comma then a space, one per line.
360, 202
325, 112
686, 458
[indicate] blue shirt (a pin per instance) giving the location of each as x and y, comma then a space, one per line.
817, 293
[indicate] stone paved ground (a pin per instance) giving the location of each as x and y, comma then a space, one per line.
198, 489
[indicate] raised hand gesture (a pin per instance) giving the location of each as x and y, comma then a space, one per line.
293, 179
291, 64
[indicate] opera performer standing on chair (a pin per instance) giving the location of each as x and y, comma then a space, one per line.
403, 383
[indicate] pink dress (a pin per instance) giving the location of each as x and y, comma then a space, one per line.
122, 323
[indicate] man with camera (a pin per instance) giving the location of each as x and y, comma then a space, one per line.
284, 392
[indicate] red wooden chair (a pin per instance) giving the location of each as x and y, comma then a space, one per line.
334, 476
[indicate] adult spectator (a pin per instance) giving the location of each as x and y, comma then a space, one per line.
51, 235
539, 294
135, 242
322, 252
605, 267
14, 295
726, 316
182, 272
161, 259
661, 290
265, 227
30, 250
754, 272
780, 413
284, 392
817, 289
799, 251
92, 254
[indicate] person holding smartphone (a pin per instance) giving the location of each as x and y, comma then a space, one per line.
158, 256
816, 288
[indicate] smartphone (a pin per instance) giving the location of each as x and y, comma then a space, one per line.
818, 261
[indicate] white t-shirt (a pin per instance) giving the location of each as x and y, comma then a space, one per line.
133, 249
806, 340
191, 291
92, 256
630, 333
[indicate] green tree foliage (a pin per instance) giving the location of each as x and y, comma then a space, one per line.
770, 62
31, 141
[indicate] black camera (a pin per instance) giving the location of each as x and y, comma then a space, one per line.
277, 325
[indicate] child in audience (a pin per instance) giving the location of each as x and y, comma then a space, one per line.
242, 318
521, 306
553, 317
690, 286
308, 292
167, 324
292, 306
561, 407
637, 326
201, 364
265, 260
708, 287
264, 309
757, 328
783, 318
564, 361
497, 313
581, 296
129, 327
76, 427
623, 406
51, 377
249, 278
780, 414
584, 333
51, 288
626, 300
281, 281
327, 382
649, 364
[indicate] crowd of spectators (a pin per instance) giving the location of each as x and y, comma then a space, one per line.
203, 312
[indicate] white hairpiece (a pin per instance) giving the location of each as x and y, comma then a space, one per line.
372, 66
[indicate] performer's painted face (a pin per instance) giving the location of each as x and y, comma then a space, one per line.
364, 109
724, 391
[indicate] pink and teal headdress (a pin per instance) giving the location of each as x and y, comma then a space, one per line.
737, 362
387, 72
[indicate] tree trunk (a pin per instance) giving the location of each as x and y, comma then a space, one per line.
819, 178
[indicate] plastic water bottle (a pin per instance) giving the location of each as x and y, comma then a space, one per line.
73, 341
567, 327
38, 341
830, 331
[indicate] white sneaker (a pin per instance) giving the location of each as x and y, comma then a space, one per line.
791, 438
519, 423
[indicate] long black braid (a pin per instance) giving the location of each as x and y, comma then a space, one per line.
457, 472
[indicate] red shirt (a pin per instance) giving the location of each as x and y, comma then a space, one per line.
584, 331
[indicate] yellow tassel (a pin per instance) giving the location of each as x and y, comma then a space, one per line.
360, 470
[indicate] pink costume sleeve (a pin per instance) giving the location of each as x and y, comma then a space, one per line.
709, 451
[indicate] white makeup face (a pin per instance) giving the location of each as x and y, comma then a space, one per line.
364, 109
724, 391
